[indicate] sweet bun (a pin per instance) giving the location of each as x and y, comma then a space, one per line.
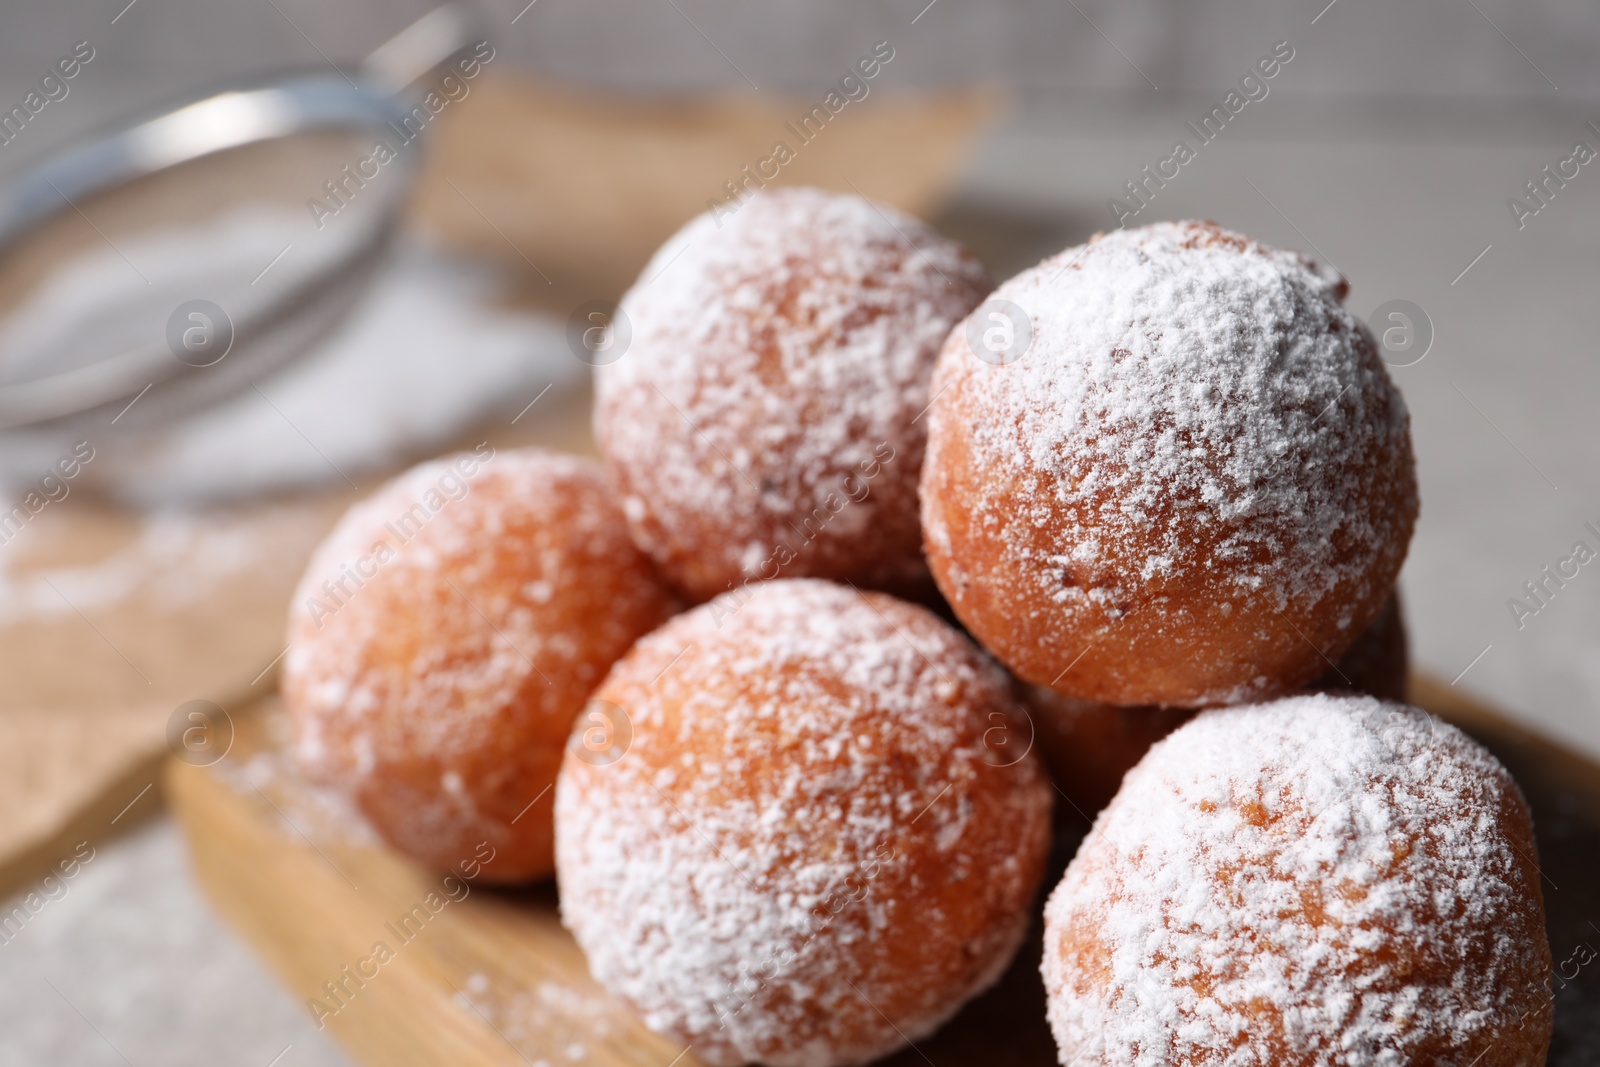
818, 843
1319, 881
765, 420
443, 638
1195, 486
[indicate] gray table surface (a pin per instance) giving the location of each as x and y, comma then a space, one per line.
131, 968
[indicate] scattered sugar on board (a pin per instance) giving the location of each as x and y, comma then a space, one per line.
1376, 818
305, 810
547, 1023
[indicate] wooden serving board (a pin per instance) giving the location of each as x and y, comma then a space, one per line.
491, 978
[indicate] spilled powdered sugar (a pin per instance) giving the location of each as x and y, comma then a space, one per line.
1318, 880
1193, 403
803, 829
775, 355
549, 1024
305, 810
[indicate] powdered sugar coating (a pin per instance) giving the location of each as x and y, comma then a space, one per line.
1199, 477
1321, 880
764, 419
445, 634
816, 827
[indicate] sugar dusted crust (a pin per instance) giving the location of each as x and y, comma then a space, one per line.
765, 421
439, 693
1195, 487
1329, 881
815, 829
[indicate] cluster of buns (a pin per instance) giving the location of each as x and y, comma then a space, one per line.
874, 559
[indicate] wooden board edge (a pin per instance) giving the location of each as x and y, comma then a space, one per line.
1515, 742
410, 1016
127, 801
381, 1023
121, 804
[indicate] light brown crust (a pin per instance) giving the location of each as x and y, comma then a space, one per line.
1089, 747
1316, 882
1108, 521
439, 694
766, 419
820, 842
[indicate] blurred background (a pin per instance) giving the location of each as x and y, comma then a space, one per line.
1430, 151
